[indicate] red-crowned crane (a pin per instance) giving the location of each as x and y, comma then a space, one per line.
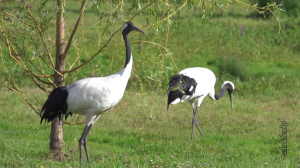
193, 84
90, 96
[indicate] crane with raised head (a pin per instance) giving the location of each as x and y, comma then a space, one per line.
90, 96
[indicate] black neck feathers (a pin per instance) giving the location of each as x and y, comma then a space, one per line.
225, 87
128, 48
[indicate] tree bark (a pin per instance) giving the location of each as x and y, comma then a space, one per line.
56, 136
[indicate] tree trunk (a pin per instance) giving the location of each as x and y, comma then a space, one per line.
56, 137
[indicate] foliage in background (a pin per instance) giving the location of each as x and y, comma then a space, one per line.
27, 33
291, 7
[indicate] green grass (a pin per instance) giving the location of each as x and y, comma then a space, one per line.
264, 69
247, 136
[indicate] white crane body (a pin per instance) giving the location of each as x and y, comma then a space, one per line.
96, 95
203, 88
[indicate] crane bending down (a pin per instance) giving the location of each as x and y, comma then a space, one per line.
90, 96
196, 83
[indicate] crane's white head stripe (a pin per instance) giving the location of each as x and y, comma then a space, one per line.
229, 83
125, 25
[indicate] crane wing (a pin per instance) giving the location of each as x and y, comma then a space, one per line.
184, 84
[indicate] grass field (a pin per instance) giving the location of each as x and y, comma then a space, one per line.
139, 132
140, 129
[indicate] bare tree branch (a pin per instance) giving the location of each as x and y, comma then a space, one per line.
18, 19
74, 29
40, 32
105, 45
19, 61
15, 89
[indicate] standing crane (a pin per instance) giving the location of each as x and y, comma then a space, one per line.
193, 84
90, 96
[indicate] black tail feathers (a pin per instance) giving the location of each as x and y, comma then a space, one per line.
55, 105
180, 85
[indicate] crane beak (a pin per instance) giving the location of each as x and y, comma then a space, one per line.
139, 30
231, 99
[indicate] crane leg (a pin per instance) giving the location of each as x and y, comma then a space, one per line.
83, 141
195, 122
